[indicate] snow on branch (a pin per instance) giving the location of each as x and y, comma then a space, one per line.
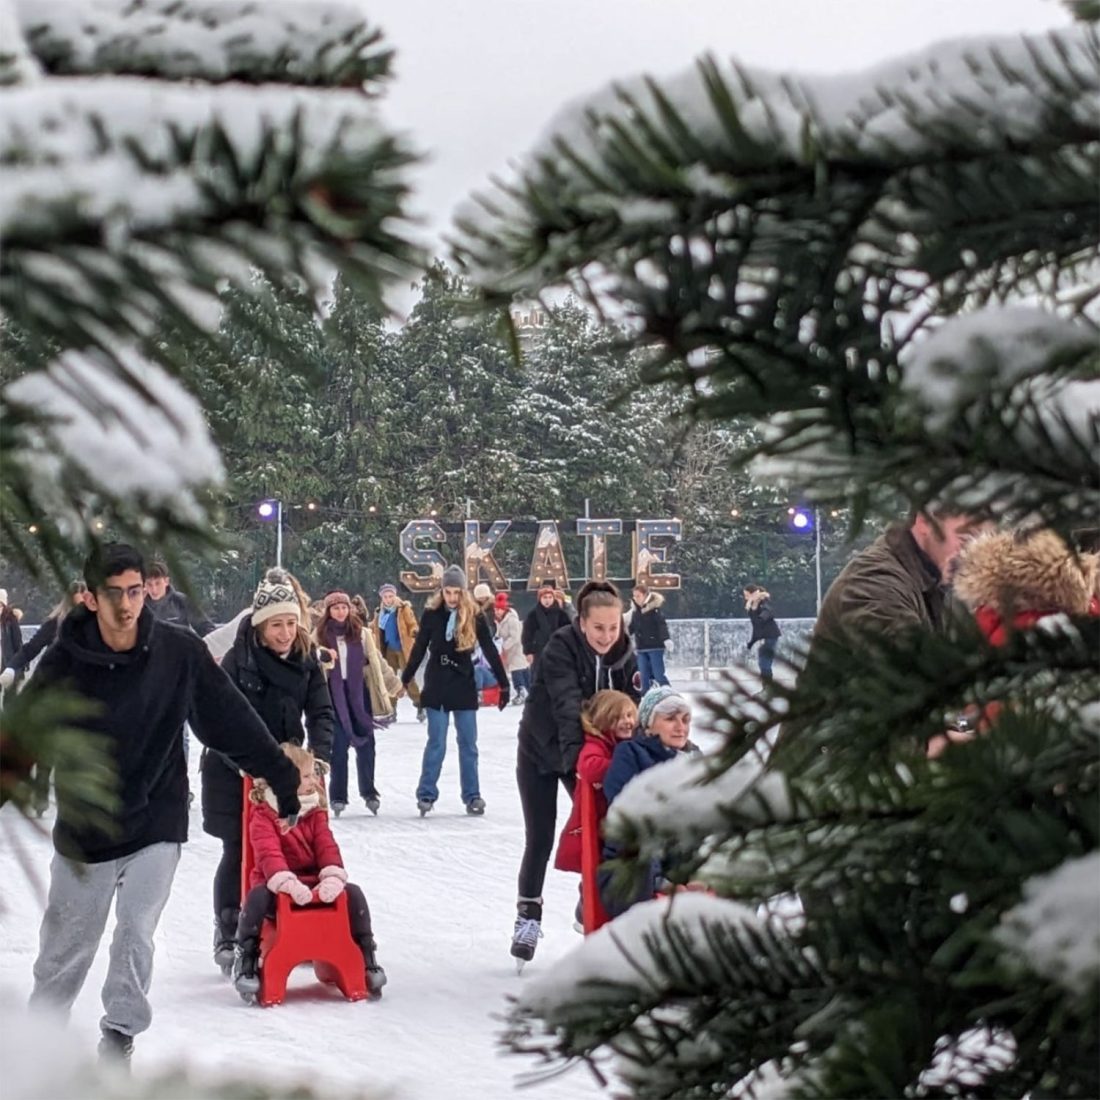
682, 800
624, 955
279, 41
17, 63
715, 136
124, 426
1055, 930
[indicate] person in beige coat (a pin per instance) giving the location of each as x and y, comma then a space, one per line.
395, 628
510, 636
364, 692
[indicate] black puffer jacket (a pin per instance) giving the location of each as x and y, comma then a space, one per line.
449, 678
568, 673
540, 625
142, 697
280, 691
647, 623
764, 626
174, 607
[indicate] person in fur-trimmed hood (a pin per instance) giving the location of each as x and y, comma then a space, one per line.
764, 627
646, 622
302, 861
1013, 580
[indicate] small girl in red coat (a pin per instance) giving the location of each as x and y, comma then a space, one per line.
607, 718
303, 861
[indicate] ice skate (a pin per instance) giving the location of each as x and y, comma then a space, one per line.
476, 807
424, 805
225, 941
527, 930
337, 808
374, 804
246, 978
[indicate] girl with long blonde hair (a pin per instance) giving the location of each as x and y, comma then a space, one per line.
450, 631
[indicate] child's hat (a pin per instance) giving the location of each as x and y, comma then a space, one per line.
502, 600
660, 699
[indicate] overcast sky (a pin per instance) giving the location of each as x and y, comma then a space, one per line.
477, 80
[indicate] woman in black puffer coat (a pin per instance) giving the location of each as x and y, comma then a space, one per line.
273, 665
592, 653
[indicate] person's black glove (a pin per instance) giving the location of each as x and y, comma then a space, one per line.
505, 698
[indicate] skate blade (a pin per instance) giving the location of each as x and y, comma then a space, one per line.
249, 998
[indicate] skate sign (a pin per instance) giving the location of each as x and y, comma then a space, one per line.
420, 538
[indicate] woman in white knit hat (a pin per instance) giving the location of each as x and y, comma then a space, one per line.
272, 662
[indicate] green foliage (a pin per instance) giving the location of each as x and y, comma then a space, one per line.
785, 249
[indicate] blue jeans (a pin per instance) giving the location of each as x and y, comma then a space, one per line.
651, 664
521, 680
364, 764
483, 676
767, 656
436, 749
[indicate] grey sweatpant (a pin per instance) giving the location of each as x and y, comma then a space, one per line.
76, 914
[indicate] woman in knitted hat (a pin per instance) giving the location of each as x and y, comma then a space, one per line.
364, 693
272, 663
450, 630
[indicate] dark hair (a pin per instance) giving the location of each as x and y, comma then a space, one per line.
750, 588
354, 623
109, 560
641, 586
157, 568
597, 594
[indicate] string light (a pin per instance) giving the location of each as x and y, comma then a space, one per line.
33, 528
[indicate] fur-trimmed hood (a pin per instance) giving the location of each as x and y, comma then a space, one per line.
1014, 572
653, 601
754, 599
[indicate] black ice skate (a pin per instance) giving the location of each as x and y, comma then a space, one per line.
476, 807
246, 978
424, 805
374, 804
376, 976
527, 930
337, 808
225, 941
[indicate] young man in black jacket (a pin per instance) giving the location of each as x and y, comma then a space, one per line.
143, 678
170, 606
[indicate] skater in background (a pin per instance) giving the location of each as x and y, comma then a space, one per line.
11, 637
170, 606
44, 636
648, 628
510, 637
395, 629
273, 665
142, 680
591, 654
547, 616
450, 630
764, 627
290, 859
664, 723
364, 692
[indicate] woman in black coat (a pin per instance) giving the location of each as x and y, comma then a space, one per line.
450, 630
764, 627
273, 665
542, 622
591, 654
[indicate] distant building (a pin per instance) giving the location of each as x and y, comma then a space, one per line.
529, 318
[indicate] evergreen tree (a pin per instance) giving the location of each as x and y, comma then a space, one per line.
797, 251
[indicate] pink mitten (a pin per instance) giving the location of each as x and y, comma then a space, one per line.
332, 881
286, 882
329, 889
300, 893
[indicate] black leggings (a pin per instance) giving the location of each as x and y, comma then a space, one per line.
260, 904
538, 794
227, 879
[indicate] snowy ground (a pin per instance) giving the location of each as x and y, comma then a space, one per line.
442, 893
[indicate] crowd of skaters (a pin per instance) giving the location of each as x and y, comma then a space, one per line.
303, 685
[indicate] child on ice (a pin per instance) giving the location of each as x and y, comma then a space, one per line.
283, 858
664, 721
607, 718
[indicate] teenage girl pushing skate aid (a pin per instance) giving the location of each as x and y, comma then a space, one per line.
303, 861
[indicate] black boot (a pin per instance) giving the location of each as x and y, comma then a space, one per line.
376, 976
225, 940
246, 977
116, 1048
528, 928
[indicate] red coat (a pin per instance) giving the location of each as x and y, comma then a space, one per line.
592, 765
305, 849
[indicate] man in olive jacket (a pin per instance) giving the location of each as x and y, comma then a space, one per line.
898, 582
142, 679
